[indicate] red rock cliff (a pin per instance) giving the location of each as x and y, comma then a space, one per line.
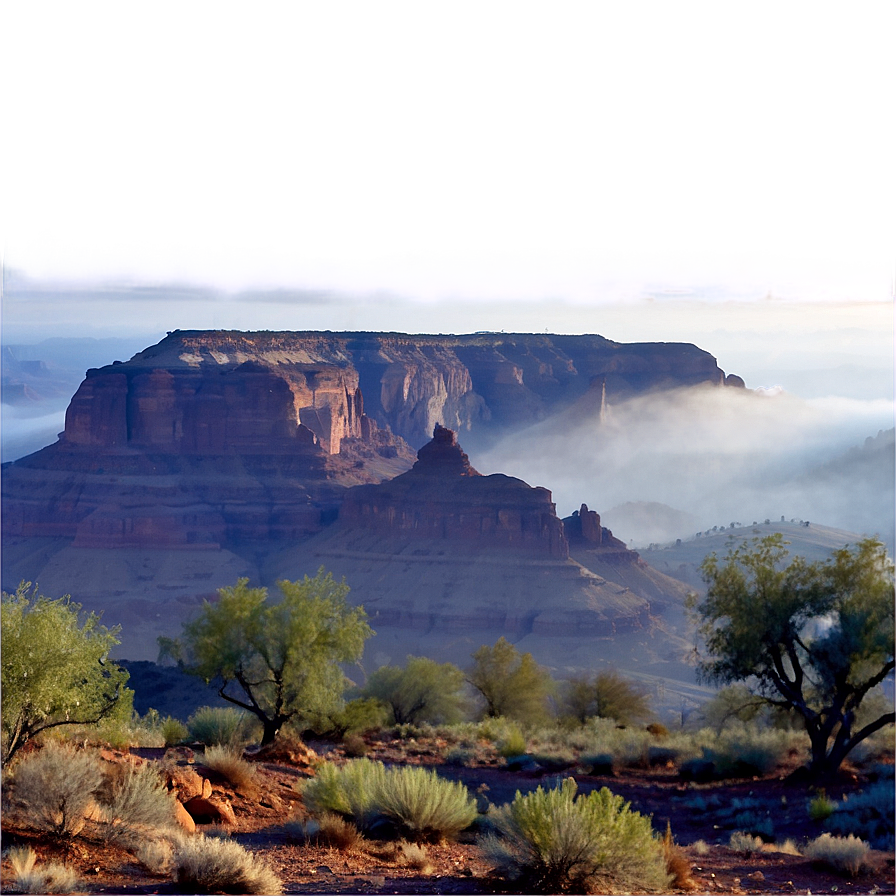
442, 496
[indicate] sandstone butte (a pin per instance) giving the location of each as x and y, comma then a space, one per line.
214, 455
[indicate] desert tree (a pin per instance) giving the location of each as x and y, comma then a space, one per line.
606, 695
55, 667
511, 683
420, 691
811, 638
278, 661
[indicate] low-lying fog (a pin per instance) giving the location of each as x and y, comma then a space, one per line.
716, 455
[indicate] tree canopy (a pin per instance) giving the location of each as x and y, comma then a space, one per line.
606, 695
421, 691
55, 667
814, 638
279, 661
511, 683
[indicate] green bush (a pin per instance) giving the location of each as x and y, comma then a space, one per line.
821, 808
552, 842
173, 731
513, 742
749, 750
211, 865
56, 788
221, 726
350, 790
424, 806
410, 800
844, 854
420, 691
606, 695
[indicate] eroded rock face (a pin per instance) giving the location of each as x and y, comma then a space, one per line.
442, 496
209, 391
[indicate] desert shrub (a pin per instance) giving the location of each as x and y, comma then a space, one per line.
598, 764
460, 756
701, 847
412, 855
173, 731
513, 742
228, 762
354, 746
333, 830
48, 878
745, 751
552, 842
657, 730
56, 787
844, 854
211, 865
221, 726
350, 790
137, 798
155, 855
627, 746
821, 808
745, 843
869, 815
788, 848
424, 806
412, 800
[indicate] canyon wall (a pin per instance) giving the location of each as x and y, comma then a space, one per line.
208, 391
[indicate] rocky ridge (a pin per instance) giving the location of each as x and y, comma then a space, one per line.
214, 455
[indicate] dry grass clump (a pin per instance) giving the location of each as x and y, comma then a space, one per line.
228, 762
677, 865
51, 877
844, 854
744, 843
210, 865
329, 829
138, 799
56, 788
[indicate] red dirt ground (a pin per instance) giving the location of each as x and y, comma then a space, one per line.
459, 867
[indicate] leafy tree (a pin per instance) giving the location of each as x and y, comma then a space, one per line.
814, 638
511, 683
735, 703
422, 691
55, 667
606, 695
277, 661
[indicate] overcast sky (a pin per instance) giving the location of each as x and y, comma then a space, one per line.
574, 152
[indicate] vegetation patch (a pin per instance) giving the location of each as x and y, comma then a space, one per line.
550, 841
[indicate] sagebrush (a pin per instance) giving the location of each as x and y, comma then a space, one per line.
551, 841
210, 865
56, 788
414, 802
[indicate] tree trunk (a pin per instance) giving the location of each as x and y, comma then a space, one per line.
271, 730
